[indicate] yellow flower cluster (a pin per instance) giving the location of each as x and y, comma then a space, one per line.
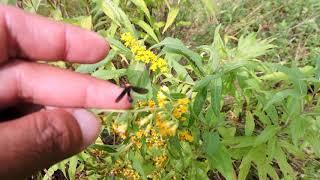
161, 98
155, 140
151, 104
120, 130
159, 160
143, 55
166, 128
181, 108
186, 136
126, 171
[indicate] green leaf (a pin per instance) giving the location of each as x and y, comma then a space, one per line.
216, 95
89, 68
273, 114
204, 82
266, 134
173, 12
298, 127
245, 166
142, 5
285, 167
280, 96
106, 148
182, 73
292, 149
239, 141
317, 75
211, 7
137, 163
199, 101
118, 46
218, 155
249, 124
73, 162
146, 27
263, 117
176, 46
116, 14
227, 132
109, 74
250, 48
174, 148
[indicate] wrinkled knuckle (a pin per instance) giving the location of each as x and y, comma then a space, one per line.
53, 135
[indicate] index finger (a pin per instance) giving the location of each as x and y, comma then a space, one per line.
32, 37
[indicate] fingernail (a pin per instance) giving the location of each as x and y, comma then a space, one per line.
89, 125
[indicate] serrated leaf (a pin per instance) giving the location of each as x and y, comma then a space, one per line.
266, 134
245, 166
285, 167
173, 12
291, 149
280, 96
250, 48
249, 124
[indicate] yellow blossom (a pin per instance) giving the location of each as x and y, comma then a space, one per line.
151, 103
141, 103
159, 160
136, 141
120, 129
144, 120
186, 136
181, 108
120, 169
161, 97
141, 54
154, 139
166, 128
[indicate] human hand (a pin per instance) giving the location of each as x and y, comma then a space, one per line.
39, 139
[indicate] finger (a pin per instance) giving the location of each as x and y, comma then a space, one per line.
19, 110
24, 35
46, 85
41, 139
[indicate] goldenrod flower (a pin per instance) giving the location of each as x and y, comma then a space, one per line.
154, 139
159, 160
120, 130
136, 141
186, 136
141, 54
151, 104
182, 107
166, 128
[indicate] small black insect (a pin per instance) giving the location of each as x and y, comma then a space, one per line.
127, 90
110, 138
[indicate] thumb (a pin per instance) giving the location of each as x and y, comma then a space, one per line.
41, 139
